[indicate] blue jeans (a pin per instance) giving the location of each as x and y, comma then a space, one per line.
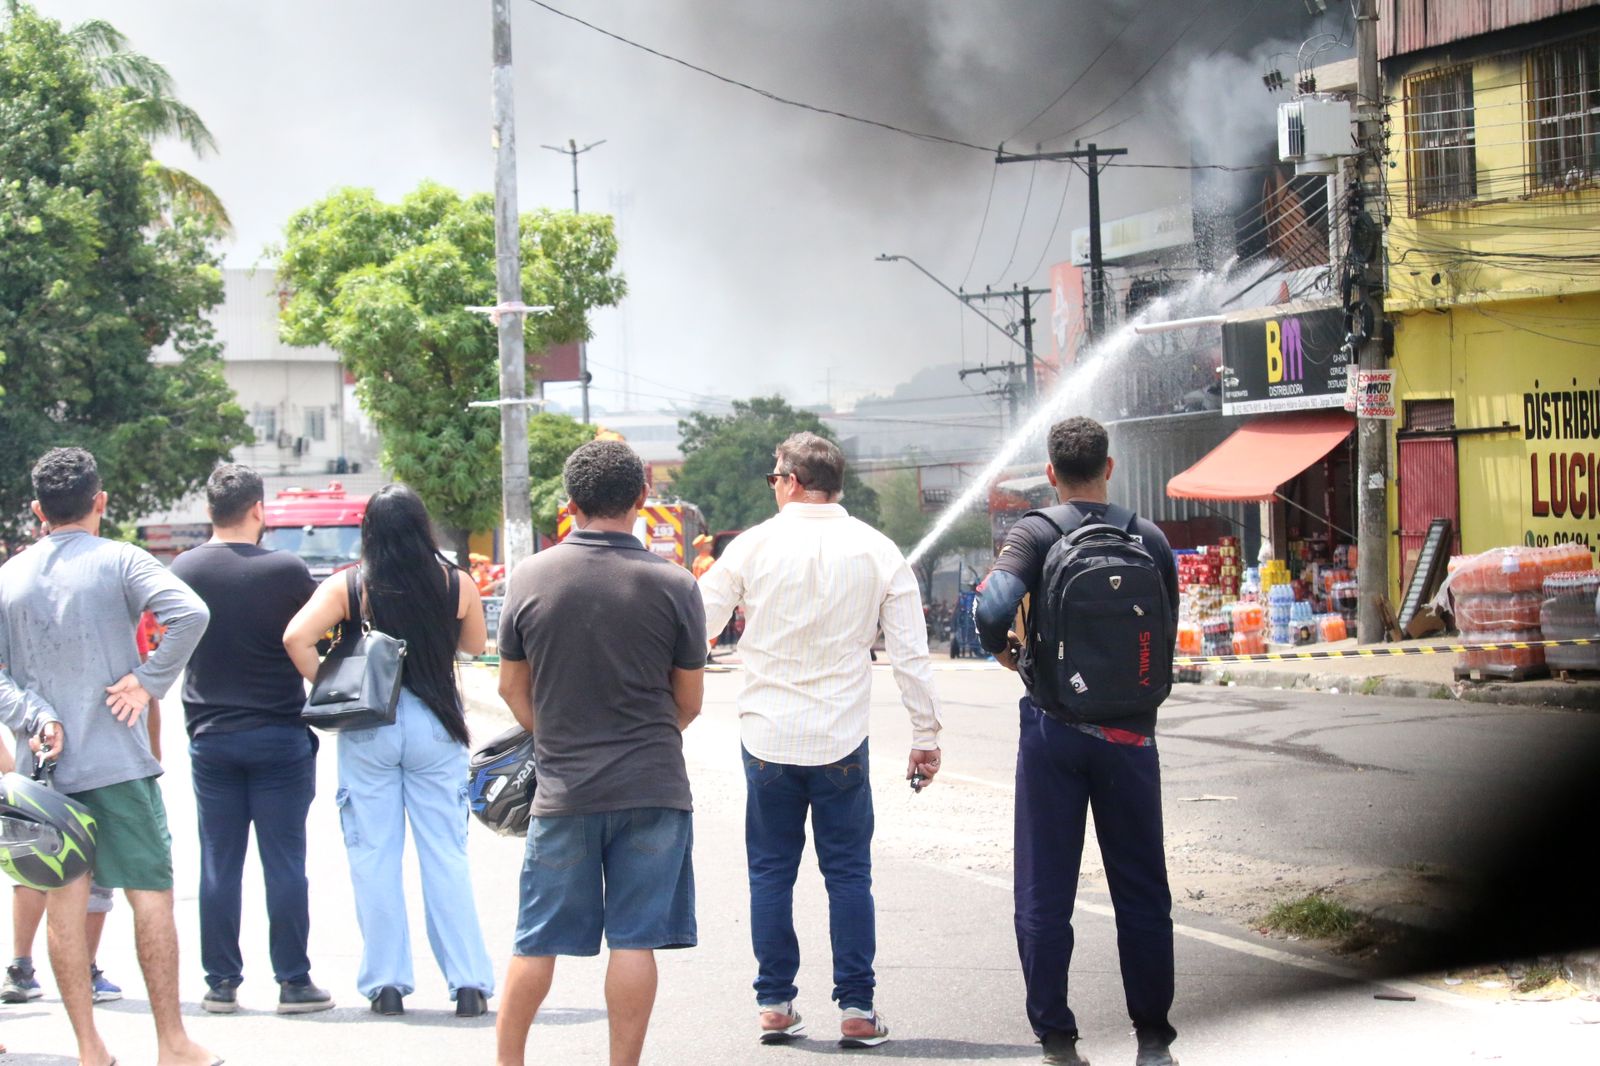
1062, 773
839, 797
264, 776
411, 769
628, 874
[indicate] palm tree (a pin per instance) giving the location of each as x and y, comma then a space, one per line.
146, 94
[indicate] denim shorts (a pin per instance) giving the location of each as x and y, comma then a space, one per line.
629, 874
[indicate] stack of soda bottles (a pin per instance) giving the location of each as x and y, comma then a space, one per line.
1217, 635
1569, 613
1498, 596
1249, 629
1280, 606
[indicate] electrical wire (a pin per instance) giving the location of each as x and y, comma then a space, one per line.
1022, 222
934, 138
982, 225
1060, 207
1201, 12
1126, 26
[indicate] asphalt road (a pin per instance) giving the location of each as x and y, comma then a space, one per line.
1266, 794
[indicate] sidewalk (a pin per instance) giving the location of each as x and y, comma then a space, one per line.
1405, 676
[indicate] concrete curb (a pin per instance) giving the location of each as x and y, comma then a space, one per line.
1576, 696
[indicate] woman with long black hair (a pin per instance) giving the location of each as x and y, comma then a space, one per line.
415, 768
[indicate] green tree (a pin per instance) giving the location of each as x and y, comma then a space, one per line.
725, 456
143, 90
906, 523
100, 270
551, 438
388, 287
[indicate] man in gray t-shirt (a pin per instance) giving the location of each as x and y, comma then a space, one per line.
69, 608
602, 656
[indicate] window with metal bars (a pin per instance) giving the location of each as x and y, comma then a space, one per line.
1564, 115
1441, 139
1422, 415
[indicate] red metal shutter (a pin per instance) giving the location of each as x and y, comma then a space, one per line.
1428, 490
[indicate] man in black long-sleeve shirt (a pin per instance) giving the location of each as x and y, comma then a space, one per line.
1065, 767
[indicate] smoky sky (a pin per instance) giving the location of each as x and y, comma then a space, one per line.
749, 230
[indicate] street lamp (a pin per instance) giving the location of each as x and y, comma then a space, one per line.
1009, 334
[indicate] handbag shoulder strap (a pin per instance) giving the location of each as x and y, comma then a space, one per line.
453, 587
352, 588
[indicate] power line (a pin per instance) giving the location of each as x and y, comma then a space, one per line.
993, 174
767, 93
1136, 81
1060, 207
1126, 26
933, 138
1022, 223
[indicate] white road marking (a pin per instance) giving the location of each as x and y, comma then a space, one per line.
1262, 951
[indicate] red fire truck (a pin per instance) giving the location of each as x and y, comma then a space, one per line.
322, 526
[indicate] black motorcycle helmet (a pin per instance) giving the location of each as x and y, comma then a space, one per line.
500, 780
46, 838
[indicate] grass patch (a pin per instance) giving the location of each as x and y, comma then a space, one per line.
1370, 685
1439, 693
1314, 916
1536, 978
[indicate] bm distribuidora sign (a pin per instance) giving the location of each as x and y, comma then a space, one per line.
1291, 362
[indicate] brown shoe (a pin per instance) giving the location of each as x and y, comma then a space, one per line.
780, 1023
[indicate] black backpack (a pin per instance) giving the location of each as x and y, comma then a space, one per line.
1100, 627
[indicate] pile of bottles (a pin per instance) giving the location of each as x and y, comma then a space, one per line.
1331, 627
1249, 628
1345, 598
1217, 635
1500, 597
1280, 608
1568, 612
1191, 640
1516, 569
1302, 623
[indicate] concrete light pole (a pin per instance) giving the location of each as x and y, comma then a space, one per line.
514, 489
1372, 434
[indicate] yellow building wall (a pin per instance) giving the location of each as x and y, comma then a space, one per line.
1534, 367
1510, 337
1506, 216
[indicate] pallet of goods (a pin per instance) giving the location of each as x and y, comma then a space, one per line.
1499, 598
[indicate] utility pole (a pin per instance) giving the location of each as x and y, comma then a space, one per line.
1091, 161
1026, 295
514, 498
574, 151
1372, 434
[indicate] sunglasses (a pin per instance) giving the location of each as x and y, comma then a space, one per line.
772, 479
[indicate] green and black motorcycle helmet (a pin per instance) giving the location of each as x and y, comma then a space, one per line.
46, 838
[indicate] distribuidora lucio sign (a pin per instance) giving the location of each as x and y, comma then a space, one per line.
1560, 427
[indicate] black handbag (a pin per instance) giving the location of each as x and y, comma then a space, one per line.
358, 683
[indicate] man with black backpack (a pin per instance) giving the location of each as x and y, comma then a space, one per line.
1096, 657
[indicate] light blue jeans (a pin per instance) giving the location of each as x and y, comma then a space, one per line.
412, 769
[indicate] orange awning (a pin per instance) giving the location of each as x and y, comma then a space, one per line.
1261, 455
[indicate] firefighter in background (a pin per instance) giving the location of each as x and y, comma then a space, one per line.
702, 559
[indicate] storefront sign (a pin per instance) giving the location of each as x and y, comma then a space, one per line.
1561, 428
1375, 393
1285, 363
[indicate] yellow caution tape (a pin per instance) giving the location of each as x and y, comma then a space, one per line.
1374, 652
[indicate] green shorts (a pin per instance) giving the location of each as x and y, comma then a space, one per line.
132, 846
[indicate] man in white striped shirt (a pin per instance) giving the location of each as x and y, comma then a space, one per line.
816, 585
